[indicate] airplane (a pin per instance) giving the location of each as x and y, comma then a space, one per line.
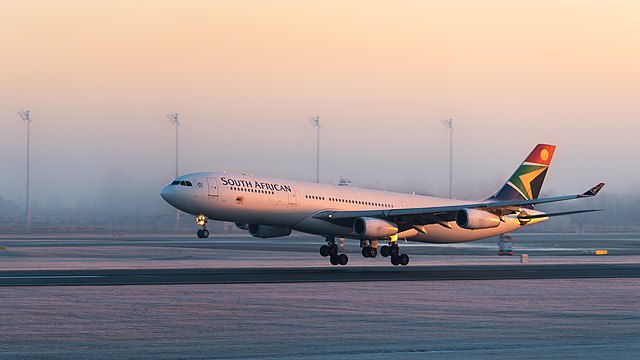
270, 208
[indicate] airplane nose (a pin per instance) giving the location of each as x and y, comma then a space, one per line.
168, 193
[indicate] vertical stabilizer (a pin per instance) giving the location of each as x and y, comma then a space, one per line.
526, 181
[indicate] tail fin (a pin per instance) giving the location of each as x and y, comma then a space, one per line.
526, 181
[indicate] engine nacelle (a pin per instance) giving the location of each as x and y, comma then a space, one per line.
367, 227
476, 219
267, 231
242, 226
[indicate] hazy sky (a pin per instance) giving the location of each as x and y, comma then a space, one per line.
100, 76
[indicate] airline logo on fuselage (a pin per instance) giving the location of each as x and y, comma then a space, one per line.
255, 184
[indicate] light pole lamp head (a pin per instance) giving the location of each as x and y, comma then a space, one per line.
24, 115
173, 118
315, 121
448, 123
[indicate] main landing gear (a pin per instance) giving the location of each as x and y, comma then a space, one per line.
331, 250
393, 250
369, 248
201, 220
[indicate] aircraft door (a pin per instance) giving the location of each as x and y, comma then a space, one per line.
213, 186
293, 199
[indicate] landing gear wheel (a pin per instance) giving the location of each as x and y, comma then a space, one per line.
201, 220
384, 250
366, 251
403, 259
394, 250
373, 252
331, 250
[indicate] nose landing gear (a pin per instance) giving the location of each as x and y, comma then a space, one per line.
201, 220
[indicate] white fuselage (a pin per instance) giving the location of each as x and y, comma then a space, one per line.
285, 203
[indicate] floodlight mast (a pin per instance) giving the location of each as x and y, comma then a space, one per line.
449, 125
25, 116
173, 119
315, 122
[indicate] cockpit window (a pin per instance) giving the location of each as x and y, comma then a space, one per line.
181, 183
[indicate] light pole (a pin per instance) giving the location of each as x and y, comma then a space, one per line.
449, 125
173, 118
25, 116
315, 122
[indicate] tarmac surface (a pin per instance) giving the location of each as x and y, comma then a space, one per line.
234, 296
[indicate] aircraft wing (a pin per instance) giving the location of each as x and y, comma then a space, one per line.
442, 214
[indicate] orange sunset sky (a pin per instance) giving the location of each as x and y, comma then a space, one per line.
100, 76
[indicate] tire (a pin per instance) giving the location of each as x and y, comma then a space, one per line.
199, 234
205, 233
373, 252
394, 250
403, 259
343, 259
366, 252
334, 260
324, 251
384, 250
395, 260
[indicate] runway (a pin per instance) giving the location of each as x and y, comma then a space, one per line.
234, 296
310, 275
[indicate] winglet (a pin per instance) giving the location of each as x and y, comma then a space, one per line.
593, 191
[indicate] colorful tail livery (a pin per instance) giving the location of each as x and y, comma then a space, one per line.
526, 181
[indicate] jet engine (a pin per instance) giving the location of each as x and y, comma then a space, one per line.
367, 227
476, 219
267, 231
242, 226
